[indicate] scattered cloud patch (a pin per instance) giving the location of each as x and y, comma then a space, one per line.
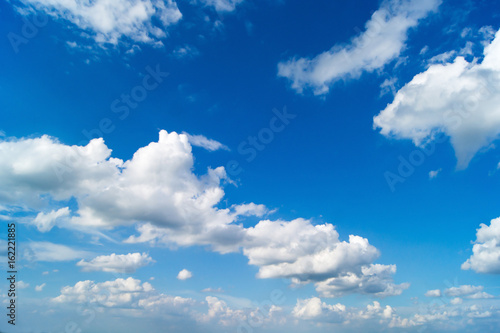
109, 22
203, 142
459, 99
22, 285
382, 41
45, 222
47, 251
122, 263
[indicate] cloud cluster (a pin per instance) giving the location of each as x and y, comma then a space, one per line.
108, 21
122, 263
459, 99
222, 5
117, 293
184, 275
157, 192
382, 41
313, 253
486, 250
157, 187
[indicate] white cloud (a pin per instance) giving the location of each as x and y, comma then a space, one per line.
120, 292
313, 308
203, 142
40, 287
122, 263
109, 21
184, 275
45, 222
434, 173
433, 293
219, 312
298, 249
157, 192
157, 188
222, 5
47, 251
459, 99
382, 41
22, 285
373, 280
308, 253
456, 301
486, 250
186, 51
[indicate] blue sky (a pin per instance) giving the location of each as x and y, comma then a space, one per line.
251, 166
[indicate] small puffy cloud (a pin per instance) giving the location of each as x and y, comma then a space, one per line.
141, 21
45, 222
433, 293
22, 285
309, 253
222, 5
486, 250
382, 41
298, 249
434, 173
40, 287
47, 251
184, 275
456, 301
459, 99
203, 142
122, 263
314, 309
156, 190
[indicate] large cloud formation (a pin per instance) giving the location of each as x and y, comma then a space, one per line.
460, 99
108, 21
382, 41
157, 192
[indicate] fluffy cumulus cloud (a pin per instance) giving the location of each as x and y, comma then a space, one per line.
121, 263
184, 275
108, 21
156, 187
313, 253
433, 293
50, 252
460, 99
382, 41
222, 5
204, 142
486, 250
157, 192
